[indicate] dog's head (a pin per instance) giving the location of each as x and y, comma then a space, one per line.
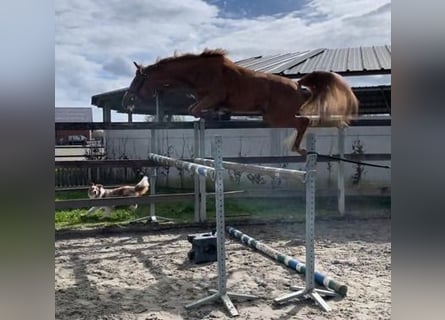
95, 190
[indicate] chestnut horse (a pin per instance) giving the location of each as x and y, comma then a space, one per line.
217, 81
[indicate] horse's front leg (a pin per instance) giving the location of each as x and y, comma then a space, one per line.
190, 108
207, 102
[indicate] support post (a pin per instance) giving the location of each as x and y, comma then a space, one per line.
154, 171
341, 172
153, 176
106, 114
221, 292
309, 290
219, 210
202, 180
311, 163
196, 177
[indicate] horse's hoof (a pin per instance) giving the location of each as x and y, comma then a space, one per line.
302, 152
194, 113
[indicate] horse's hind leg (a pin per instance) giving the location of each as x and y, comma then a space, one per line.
282, 121
301, 124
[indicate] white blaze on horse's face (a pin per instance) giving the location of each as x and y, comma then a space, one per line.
128, 100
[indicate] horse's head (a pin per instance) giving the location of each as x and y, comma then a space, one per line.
179, 70
136, 89
146, 81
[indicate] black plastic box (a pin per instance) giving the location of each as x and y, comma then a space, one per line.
203, 247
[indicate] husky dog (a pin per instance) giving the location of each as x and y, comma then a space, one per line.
99, 191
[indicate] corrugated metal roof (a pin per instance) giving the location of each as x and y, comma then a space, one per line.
353, 61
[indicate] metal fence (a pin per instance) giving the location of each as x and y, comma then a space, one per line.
81, 173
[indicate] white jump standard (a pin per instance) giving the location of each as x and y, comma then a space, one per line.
221, 293
308, 177
309, 290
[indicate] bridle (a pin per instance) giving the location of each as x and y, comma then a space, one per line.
142, 77
138, 82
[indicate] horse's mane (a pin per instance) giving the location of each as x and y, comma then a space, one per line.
189, 56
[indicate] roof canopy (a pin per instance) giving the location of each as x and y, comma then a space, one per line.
346, 61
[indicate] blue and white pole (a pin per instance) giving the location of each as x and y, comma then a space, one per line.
288, 261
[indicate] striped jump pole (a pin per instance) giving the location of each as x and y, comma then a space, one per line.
288, 261
200, 170
250, 168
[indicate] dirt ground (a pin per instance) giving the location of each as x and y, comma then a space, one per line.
148, 276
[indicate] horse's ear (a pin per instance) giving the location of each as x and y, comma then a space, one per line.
137, 66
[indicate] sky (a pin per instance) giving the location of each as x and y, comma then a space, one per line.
97, 40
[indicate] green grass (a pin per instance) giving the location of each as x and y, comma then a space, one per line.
235, 209
69, 195
78, 218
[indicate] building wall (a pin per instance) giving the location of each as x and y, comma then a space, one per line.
72, 114
136, 144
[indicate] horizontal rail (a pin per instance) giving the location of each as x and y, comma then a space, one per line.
201, 170
78, 146
103, 163
299, 159
271, 171
81, 188
255, 124
261, 159
122, 201
209, 124
67, 156
122, 125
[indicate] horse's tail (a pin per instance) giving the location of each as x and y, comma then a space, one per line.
332, 100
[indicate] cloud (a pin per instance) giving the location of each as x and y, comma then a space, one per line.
118, 66
334, 9
97, 40
320, 24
